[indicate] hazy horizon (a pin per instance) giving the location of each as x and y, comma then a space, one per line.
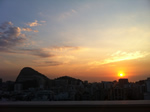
92, 79
94, 40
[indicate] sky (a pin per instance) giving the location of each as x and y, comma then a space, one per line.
94, 40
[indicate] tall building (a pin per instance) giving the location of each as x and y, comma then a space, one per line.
122, 82
107, 85
1, 81
147, 94
148, 84
119, 93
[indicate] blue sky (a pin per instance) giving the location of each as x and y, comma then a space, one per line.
78, 38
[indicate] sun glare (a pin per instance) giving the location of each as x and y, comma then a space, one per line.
121, 74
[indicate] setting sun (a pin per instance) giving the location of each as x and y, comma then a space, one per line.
121, 74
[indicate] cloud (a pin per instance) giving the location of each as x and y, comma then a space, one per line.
10, 36
26, 29
53, 63
29, 30
31, 24
43, 21
67, 14
64, 48
48, 52
35, 31
121, 56
38, 52
5, 25
55, 51
47, 63
6, 50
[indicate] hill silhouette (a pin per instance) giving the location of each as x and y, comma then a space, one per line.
29, 77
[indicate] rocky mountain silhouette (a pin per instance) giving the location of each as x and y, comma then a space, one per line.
66, 78
29, 78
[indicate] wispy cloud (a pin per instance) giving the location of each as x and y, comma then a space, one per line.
35, 31
38, 52
65, 15
43, 21
29, 30
64, 48
121, 56
47, 63
26, 29
49, 52
35, 23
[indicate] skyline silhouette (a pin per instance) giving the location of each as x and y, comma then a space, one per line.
30, 85
120, 75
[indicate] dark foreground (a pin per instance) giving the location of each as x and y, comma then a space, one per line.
77, 106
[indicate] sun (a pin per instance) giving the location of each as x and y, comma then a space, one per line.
121, 74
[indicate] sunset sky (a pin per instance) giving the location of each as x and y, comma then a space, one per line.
93, 40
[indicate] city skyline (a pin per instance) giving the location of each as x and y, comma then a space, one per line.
121, 76
30, 85
90, 40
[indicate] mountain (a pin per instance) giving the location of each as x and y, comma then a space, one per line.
68, 80
29, 77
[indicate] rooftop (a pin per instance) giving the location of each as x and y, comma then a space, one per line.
76, 106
